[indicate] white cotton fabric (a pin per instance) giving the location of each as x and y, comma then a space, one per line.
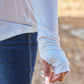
28, 16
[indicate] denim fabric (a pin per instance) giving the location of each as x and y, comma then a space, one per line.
17, 59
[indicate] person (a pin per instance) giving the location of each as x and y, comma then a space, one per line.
24, 26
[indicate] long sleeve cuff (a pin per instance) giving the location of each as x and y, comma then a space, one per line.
64, 67
59, 67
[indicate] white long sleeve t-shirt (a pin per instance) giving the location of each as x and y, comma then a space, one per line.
24, 16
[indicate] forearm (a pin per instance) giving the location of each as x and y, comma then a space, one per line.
46, 14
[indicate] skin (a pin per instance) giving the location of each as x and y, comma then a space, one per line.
47, 72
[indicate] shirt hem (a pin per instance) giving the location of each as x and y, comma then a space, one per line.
15, 33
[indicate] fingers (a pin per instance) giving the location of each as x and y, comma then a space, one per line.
63, 77
58, 77
46, 68
47, 80
51, 76
42, 74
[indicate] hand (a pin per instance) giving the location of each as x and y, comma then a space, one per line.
58, 77
50, 74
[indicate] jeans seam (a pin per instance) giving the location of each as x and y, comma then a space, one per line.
30, 65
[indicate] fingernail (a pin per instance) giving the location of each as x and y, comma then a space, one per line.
42, 75
42, 72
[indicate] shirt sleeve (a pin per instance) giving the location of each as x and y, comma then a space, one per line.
46, 13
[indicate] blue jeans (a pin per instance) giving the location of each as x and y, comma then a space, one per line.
17, 59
